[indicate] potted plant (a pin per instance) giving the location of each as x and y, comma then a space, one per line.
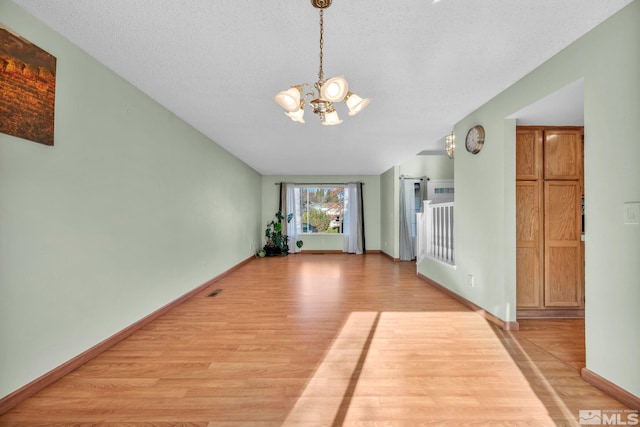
276, 242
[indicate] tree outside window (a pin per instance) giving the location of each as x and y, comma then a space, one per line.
322, 209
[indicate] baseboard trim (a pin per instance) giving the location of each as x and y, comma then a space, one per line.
334, 251
507, 326
549, 313
13, 399
390, 257
618, 393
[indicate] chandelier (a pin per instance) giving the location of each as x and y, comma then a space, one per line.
323, 93
450, 144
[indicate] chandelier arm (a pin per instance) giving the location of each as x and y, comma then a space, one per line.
308, 88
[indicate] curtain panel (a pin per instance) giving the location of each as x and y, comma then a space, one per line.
353, 225
290, 204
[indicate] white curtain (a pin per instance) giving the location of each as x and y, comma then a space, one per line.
291, 205
353, 224
407, 219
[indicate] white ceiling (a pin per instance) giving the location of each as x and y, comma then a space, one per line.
565, 107
425, 64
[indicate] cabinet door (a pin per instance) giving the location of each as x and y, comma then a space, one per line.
562, 154
528, 154
562, 249
529, 245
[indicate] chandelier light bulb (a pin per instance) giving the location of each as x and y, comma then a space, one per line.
297, 116
331, 118
334, 89
289, 99
355, 103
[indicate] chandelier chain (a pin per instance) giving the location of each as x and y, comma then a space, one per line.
323, 93
321, 72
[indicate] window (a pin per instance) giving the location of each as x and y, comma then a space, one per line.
322, 208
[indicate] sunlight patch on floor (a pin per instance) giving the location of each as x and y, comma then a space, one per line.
391, 366
323, 396
541, 380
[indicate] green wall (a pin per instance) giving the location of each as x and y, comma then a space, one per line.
389, 209
129, 210
431, 166
371, 197
608, 58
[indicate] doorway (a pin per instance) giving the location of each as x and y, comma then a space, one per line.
549, 221
412, 191
563, 108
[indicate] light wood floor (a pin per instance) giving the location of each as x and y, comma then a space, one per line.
312, 340
561, 338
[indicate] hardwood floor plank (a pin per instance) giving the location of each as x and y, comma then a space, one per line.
332, 340
562, 338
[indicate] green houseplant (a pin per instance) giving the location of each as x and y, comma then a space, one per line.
276, 242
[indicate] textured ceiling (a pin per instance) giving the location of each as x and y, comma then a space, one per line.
425, 64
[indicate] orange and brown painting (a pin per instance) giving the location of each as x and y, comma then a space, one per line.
27, 89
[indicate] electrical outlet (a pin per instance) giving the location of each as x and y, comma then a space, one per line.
632, 213
471, 281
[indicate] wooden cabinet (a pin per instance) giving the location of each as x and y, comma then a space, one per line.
529, 244
562, 252
549, 250
563, 154
528, 154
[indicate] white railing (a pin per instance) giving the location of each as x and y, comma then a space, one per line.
435, 233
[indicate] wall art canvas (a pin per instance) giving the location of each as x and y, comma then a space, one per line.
27, 89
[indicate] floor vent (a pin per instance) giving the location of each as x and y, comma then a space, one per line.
215, 293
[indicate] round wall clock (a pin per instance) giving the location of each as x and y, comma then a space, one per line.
475, 139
